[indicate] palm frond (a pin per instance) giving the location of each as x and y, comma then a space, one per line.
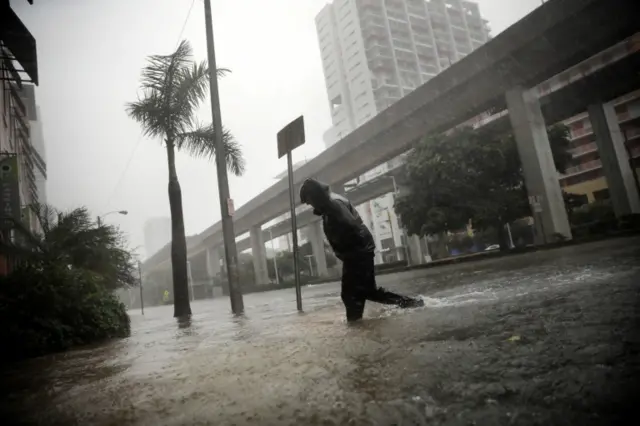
151, 112
222, 72
191, 89
200, 143
190, 92
159, 75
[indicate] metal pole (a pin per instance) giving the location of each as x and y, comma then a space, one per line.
141, 296
230, 249
275, 262
99, 221
294, 232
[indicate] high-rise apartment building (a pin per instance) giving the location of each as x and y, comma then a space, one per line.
157, 234
374, 52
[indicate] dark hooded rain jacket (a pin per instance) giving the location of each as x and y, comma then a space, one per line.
347, 234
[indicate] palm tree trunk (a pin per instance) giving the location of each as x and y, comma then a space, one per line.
181, 306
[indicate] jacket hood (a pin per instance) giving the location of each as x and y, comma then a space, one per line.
315, 193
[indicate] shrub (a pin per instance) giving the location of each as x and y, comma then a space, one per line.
50, 307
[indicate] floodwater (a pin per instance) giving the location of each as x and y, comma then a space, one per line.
489, 347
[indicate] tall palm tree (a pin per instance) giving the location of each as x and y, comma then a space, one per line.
173, 86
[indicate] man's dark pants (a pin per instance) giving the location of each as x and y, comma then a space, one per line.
359, 285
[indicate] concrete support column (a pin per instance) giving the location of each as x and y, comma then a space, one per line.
415, 250
259, 256
541, 177
213, 261
615, 160
316, 237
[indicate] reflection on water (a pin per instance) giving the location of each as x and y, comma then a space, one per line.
274, 365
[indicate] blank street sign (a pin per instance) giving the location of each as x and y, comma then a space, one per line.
291, 137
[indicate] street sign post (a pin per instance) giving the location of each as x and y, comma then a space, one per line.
289, 138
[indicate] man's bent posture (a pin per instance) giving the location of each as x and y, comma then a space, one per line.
353, 244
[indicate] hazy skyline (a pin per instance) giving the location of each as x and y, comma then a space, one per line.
90, 54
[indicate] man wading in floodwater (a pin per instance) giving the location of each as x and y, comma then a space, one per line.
353, 244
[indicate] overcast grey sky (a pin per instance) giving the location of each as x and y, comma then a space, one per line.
90, 53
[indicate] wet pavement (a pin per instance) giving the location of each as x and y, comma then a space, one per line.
548, 338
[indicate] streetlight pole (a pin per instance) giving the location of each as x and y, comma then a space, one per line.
275, 262
120, 212
230, 249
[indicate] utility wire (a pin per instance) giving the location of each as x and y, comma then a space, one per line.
137, 144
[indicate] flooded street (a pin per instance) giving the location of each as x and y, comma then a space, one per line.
545, 338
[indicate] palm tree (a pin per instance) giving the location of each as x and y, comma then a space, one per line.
173, 87
75, 240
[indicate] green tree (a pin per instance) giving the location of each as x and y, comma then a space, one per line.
468, 175
74, 239
62, 293
173, 86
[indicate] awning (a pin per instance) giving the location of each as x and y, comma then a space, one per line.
19, 43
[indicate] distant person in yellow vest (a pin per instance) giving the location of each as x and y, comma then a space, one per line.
165, 297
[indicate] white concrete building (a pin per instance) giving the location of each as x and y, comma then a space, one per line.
374, 52
157, 234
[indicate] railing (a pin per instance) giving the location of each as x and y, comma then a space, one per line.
632, 133
578, 133
589, 165
590, 147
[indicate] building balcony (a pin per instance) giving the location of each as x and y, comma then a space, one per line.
581, 168
382, 63
587, 130
584, 149
379, 51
